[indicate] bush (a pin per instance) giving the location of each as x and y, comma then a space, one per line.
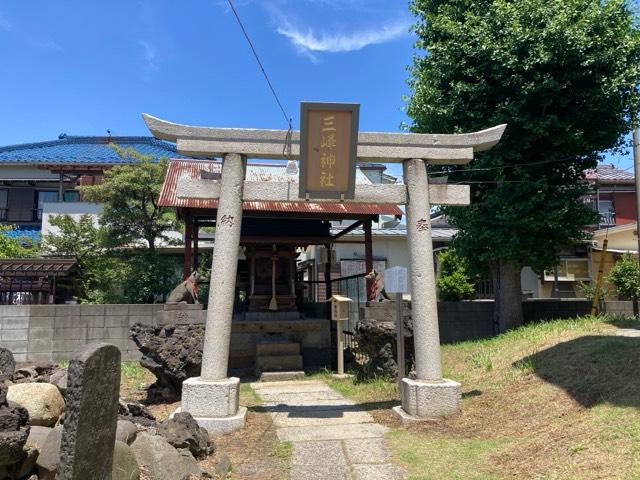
625, 276
453, 282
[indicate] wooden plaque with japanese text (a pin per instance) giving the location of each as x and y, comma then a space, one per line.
328, 149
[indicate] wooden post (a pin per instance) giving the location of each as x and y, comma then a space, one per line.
596, 293
368, 257
188, 227
327, 273
400, 339
196, 235
340, 345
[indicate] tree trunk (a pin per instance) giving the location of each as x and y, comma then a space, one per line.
507, 313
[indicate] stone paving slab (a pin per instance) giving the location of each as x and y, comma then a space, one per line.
327, 471
317, 404
314, 387
301, 397
628, 332
386, 471
318, 453
367, 450
331, 432
309, 417
332, 437
286, 383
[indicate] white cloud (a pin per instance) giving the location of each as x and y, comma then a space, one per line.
150, 53
4, 23
311, 41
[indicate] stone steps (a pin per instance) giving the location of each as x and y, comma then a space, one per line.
281, 376
278, 357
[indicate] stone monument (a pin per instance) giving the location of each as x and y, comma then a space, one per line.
212, 398
91, 417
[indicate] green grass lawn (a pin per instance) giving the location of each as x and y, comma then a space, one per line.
557, 400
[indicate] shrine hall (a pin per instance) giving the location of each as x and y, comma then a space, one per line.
273, 234
279, 292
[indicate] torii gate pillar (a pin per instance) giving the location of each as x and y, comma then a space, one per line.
212, 398
430, 395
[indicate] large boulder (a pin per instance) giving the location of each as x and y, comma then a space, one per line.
14, 431
376, 341
59, 379
35, 373
135, 412
161, 461
126, 432
7, 364
49, 457
125, 466
43, 401
173, 353
182, 431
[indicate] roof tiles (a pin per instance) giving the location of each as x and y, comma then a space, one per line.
85, 150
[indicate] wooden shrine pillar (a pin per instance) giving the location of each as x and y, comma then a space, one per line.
327, 273
368, 258
196, 236
188, 236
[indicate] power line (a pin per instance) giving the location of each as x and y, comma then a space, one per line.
287, 118
485, 169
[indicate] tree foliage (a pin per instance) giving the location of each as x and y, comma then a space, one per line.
625, 276
562, 74
453, 282
109, 275
99, 272
129, 194
14, 245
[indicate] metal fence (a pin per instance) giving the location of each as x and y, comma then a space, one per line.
355, 288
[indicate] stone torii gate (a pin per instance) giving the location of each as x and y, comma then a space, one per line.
212, 398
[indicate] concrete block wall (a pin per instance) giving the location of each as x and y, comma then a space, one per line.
472, 320
619, 307
50, 333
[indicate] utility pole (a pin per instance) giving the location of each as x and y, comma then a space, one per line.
636, 170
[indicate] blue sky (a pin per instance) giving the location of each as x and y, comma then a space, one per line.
82, 67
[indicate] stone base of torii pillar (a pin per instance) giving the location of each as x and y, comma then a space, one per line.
214, 404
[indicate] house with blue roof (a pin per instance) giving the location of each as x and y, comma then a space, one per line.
34, 174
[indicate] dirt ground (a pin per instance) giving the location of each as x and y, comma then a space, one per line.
254, 452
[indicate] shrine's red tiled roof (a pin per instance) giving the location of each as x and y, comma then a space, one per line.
263, 173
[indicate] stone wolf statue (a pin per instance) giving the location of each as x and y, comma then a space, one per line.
187, 291
377, 291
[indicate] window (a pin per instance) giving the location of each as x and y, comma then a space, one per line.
71, 196
4, 195
43, 196
571, 270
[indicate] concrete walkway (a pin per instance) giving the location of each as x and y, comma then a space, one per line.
333, 439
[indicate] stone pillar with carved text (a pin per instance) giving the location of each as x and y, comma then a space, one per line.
212, 399
429, 395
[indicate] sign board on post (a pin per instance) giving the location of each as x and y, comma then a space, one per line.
395, 281
328, 149
340, 313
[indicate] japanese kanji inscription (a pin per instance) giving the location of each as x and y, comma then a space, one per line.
328, 148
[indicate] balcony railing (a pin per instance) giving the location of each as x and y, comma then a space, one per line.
608, 219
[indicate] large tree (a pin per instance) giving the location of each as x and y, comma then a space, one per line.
562, 74
129, 194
